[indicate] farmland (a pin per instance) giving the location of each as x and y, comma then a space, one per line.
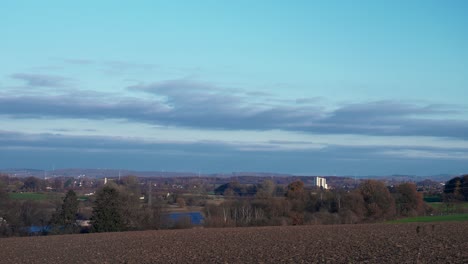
430, 219
372, 243
28, 196
35, 196
461, 206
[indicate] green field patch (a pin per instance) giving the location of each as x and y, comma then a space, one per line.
83, 198
436, 205
463, 204
436, 218
444, 206
432, 199
35, 196
28, 196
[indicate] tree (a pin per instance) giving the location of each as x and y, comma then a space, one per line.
131, 184
265, 189
295, 190
4, 208
3, 196
353, 207
234, 189
464, 186
32, 184
378, 201
107, 211
296, 196
152, 216
180, 202
457, 189
409, 201
66, 215
58, 184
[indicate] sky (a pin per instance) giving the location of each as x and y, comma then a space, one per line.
300, 87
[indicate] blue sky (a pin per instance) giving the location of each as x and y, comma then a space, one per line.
304, 87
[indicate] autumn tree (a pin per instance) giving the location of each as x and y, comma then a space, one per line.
180, 202
295, 190
353, 208
296, 196
378, 201
408, 201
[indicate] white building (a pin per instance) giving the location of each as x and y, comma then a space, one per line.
320, 182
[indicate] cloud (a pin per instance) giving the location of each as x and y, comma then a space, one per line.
428, 154
37, 150
308, 100
204, 105
41, 80
48, 141
189, 104
387, 118
12, 139
89, 105
197, 104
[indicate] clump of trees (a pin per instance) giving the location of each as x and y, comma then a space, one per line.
409, 202
378, 202
118, 208
17, 215
372, 201
235, 189
454, 194
456, 189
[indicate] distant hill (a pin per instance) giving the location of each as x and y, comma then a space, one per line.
101, 173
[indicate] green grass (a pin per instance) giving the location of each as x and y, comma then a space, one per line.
33, 196
438, 205
28, 196
83, 198
437, 218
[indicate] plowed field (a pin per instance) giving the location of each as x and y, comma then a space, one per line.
373, 243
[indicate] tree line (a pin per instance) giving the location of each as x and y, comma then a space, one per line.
260, 205
117, 206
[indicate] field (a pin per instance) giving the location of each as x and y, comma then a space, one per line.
373, 243
441, 206
29, 196
36, 196
436, 218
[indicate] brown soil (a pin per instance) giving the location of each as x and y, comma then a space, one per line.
376, 243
